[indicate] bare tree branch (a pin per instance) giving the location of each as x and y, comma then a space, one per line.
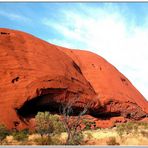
71, 125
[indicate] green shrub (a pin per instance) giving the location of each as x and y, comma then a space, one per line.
88, 124
112, 141
43, 123
47, 123
58, 126
126, 128
20, 135
3, 132
143, 125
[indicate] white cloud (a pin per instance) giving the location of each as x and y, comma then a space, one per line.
13, 16
107, 32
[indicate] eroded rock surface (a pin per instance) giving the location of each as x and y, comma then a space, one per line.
117, 95
38, 76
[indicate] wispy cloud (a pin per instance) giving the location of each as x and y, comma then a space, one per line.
108, 32
13, 16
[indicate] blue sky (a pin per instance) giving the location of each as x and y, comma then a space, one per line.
116, 31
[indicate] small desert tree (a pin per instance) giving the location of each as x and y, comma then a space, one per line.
72, 125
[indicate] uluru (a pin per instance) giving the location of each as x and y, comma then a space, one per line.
38, 76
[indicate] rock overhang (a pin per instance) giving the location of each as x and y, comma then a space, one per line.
43, 75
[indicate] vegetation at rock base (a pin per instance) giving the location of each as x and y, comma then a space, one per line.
47, 125
72, 127
20, 135
43, 123
88, 124
43, 140
3, 132
130, 127
126, 133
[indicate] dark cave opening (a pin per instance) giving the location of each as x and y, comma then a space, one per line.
47, 103
41, 104
105, 115
38, 104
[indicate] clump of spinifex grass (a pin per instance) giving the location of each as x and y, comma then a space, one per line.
131, 127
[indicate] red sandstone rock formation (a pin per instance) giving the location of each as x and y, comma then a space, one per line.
115, 91
34, 74
38, 76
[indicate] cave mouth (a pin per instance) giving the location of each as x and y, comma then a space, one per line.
47, 103
42, 104
32, 107
39, 104
105, 115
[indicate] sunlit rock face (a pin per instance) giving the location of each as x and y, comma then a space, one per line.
114, 90
39, 76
